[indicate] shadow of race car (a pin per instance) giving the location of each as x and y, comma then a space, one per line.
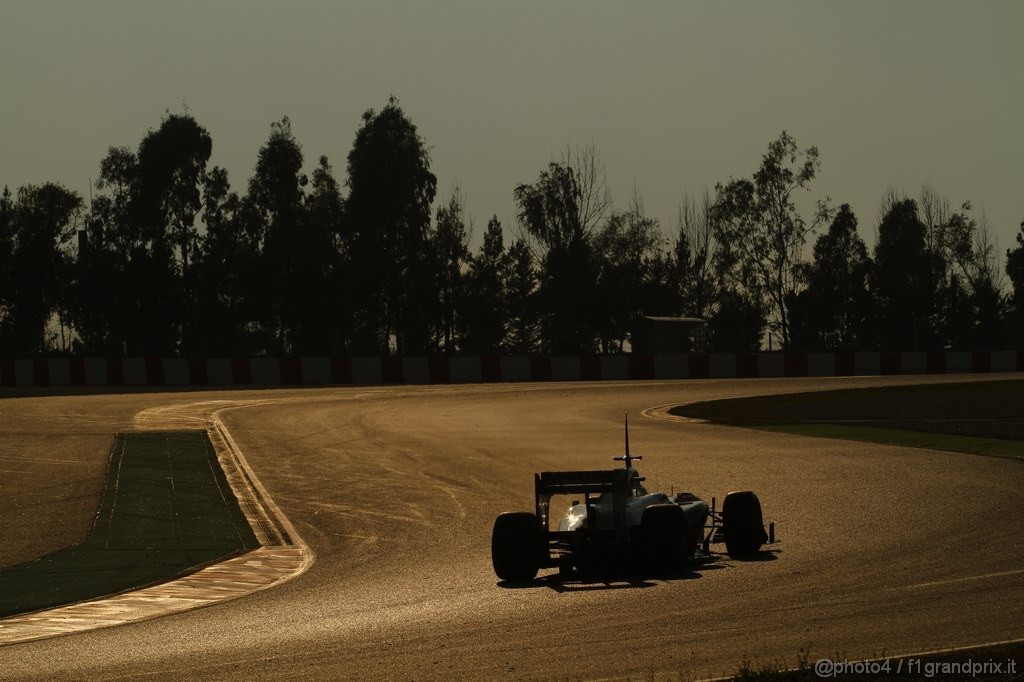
618, 522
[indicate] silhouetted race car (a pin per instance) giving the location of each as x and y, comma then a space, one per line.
619, 522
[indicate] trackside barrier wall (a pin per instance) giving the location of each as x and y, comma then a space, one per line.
292, 371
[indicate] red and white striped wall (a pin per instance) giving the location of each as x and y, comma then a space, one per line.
76, 371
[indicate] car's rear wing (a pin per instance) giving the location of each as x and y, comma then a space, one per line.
618, 482
581, 482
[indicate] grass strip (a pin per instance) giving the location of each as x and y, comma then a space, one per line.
993, 447
980, 418
167, 510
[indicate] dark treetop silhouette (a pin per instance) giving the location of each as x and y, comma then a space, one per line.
169, 260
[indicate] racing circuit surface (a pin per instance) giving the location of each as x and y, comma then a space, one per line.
884, 550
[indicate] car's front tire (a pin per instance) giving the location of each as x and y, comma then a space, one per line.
515, 546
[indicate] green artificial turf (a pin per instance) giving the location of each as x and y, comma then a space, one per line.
167, 509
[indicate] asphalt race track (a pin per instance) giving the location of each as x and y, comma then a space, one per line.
884, 550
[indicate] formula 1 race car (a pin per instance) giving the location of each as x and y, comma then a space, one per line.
619, 522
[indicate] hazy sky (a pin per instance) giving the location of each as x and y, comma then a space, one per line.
675, 95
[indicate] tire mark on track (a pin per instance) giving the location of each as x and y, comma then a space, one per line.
936, 583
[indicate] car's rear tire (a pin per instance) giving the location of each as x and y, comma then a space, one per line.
666, 542
743, 524
515, 546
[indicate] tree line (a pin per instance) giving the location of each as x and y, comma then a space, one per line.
168, 259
